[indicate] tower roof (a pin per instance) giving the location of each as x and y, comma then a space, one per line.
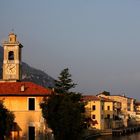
12, 40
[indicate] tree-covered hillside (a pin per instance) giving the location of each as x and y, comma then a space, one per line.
31, 74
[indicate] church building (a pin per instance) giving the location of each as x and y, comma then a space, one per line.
22, 98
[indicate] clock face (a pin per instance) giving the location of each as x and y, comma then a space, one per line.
11, 69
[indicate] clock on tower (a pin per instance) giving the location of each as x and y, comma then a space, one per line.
12, 59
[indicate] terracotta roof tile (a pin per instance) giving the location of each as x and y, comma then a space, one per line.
96, 98
106, 99
22, 89
137, 103
90, 98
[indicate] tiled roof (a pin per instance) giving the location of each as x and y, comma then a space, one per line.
90, 98
22, 89
137, 103
96, 98
115, 95
106, 99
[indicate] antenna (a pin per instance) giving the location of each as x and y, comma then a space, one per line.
12, 30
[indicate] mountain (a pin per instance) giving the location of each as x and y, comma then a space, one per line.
31, 74
37, 76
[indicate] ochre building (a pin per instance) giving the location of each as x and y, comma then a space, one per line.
22, 98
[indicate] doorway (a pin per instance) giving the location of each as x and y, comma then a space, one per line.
31, 133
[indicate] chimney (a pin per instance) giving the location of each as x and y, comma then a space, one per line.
22, 88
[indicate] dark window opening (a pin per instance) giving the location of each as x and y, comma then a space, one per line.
93, 107
108, 107
31, 104
11, 55
108, 116
102, 107
93, 117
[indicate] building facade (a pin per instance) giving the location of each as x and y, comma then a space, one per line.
12, 59
22, 98
127, 106
94, 110
102, 112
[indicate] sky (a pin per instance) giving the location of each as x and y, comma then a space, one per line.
98, 40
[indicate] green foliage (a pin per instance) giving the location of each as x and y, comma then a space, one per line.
64, 84
6, 121
106, 93
64, 115
64, 112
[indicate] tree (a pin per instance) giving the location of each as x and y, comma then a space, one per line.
6, 121
106, 93
65, 83
64, 113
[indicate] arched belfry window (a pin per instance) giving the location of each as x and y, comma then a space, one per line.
11, 55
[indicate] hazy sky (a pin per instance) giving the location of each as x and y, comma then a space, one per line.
98, 40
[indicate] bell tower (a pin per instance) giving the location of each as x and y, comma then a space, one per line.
12, 59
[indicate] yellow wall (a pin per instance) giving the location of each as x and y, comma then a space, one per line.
138, 108
24, 117
16, 61
126, 103
138, 111
110, 111
98, 112
127, 106
12, 45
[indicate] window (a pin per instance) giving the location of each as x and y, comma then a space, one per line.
93, 107
113, 107
108, 107
114, 117
11, 55
93, 117
128, 106
31, 103
102, 107
108, 116
128, 109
